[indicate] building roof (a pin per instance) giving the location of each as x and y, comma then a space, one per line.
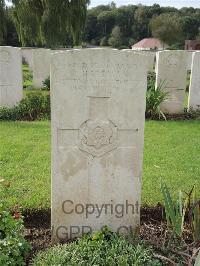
148, 43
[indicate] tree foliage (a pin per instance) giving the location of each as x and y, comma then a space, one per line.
116, 37
2, 22
135, 22
49, 22
167, 28
190, 26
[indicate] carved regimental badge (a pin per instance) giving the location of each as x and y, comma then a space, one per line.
97, 137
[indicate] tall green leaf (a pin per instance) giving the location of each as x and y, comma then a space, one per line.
175, 212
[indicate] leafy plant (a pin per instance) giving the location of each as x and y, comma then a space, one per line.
194, 215
46, 83
193, 113
151, 80
103, 248
34, 106
13, 246
27, 77
175, 212
154, 98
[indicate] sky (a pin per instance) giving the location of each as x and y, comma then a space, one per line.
174, 3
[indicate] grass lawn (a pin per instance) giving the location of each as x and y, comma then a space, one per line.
172, 152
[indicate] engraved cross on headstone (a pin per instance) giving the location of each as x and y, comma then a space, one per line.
98, 135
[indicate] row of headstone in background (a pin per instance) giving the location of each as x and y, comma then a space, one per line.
171, 69
38, 60
171, 75
11, 76
11, 89
194, 90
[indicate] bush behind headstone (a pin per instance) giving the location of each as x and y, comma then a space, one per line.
35, 106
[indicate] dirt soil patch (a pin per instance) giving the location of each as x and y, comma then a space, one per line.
153, 231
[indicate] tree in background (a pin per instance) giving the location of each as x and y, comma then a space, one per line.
2, 22
141, 25
8, 33
49, 22
190, 25
26, 18
106, 20
104, 42
115, 39
167, 28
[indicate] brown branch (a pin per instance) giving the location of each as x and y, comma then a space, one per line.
164, 258
195, 252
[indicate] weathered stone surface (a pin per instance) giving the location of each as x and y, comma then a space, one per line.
150, 57
98, 111
189, 61
11, 90
41, 66
171, 70
194, 90
27, 55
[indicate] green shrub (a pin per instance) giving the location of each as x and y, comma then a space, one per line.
151, 80
103, 248
154, 98
13, 246
27, 77
46, 83
193, 114
194, 213
35, 106
175, 211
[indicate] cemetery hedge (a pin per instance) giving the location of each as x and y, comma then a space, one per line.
171, 153
34, 106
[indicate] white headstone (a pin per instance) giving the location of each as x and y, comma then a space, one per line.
11, 88
189, 61
171, 71
27, 54
41, 66
150, 57
98, 114
194, 90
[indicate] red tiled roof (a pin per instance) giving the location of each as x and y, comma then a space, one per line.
148, 43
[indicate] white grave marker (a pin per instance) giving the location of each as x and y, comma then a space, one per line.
171, 68
11, 89
98, 115
194, 90
41, 66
